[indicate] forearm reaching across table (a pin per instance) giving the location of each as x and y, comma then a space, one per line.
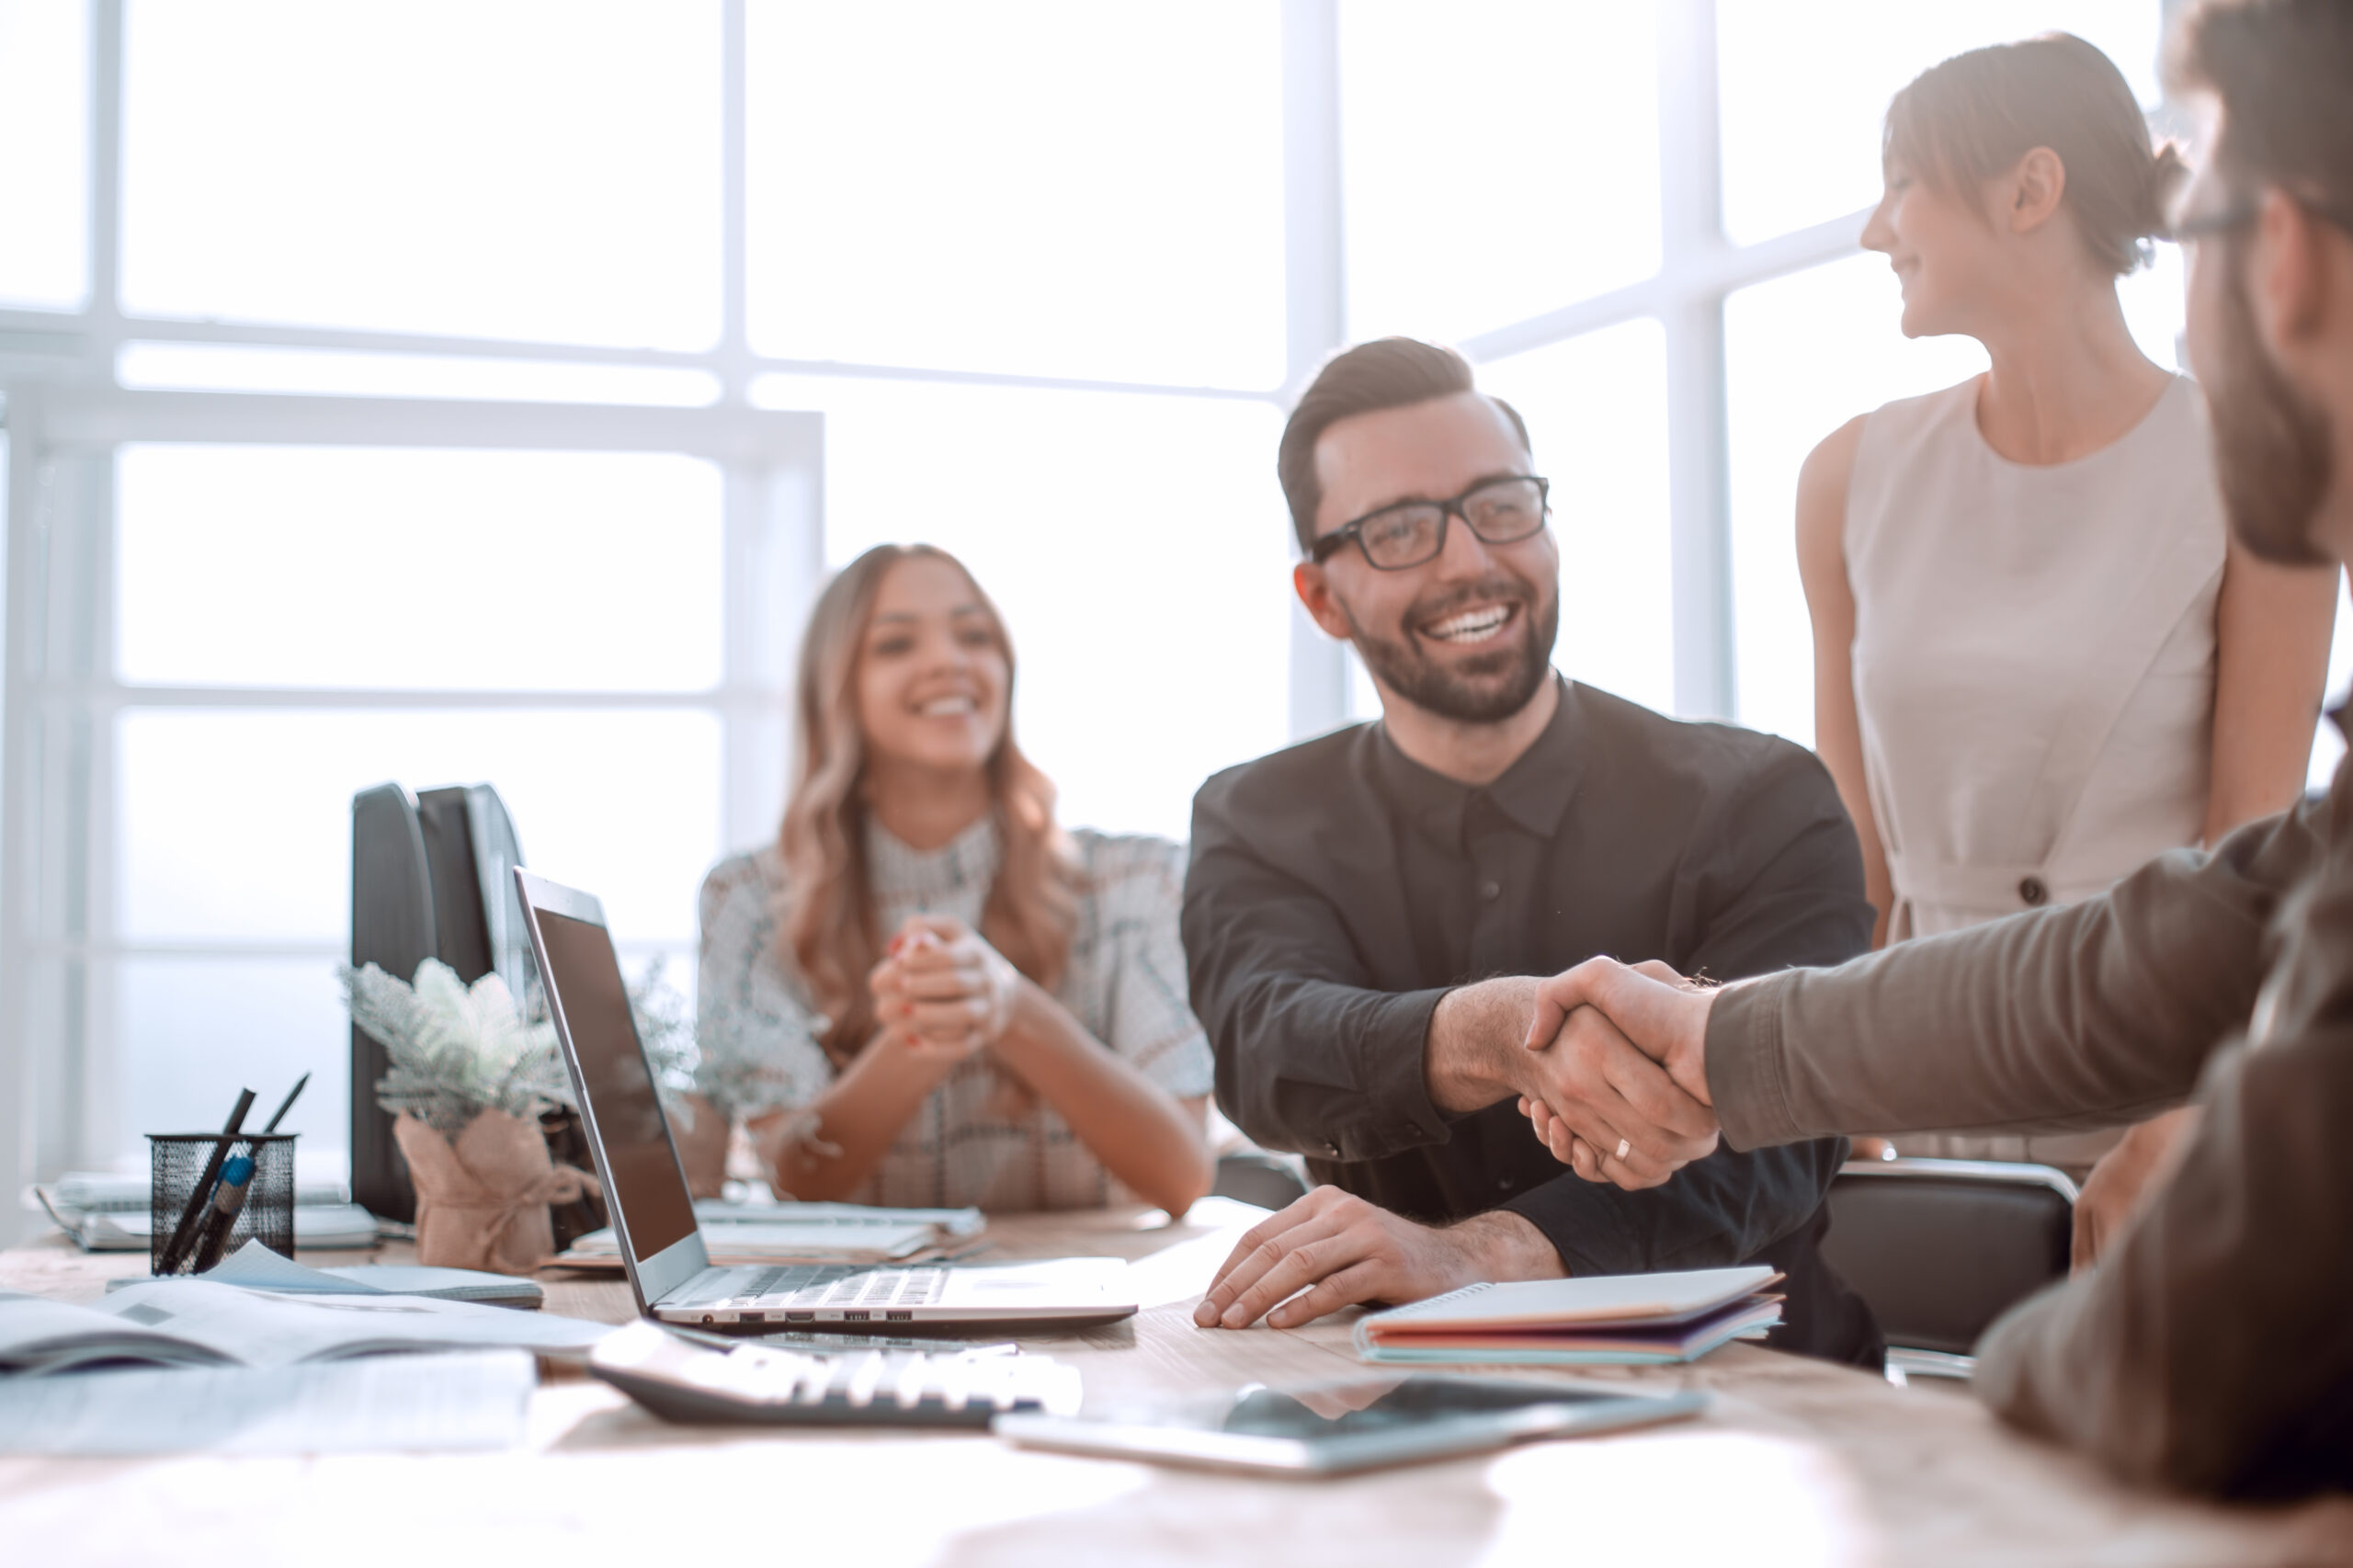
2211, 1348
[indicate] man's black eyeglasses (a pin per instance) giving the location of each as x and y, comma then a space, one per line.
1500, 511
2238, 212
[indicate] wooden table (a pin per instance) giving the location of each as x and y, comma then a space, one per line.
1796, 1464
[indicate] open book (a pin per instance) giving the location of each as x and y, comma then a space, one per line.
194, 1323
1624, 1319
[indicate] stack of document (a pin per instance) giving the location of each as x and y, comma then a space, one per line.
107, 1213
805, 1232
1622, 1319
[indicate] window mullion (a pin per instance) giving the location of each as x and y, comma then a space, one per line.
100, 1080
18, 823
106, 178
735, 340
1691, 221
1315, 284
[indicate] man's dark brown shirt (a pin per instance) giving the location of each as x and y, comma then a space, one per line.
1337, 890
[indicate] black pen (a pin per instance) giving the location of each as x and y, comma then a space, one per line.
185, 1232
237, 1186
291, 1096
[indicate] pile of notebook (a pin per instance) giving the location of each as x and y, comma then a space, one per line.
107, 1213
1622, 1319
807, 1233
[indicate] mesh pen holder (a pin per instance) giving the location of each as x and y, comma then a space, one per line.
266, 1215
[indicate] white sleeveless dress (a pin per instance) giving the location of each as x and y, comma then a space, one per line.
2034, 661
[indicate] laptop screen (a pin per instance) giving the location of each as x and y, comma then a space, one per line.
646, 1186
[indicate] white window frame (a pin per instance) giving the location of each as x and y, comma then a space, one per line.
58, 373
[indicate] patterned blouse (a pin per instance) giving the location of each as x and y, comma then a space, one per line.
980, 1138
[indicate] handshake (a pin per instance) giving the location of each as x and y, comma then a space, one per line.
1613, 1074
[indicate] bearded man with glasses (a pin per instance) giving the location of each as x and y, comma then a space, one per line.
1363, 912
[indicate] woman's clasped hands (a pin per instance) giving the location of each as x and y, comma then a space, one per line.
942, 990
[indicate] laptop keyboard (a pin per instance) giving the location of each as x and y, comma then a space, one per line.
807, 1286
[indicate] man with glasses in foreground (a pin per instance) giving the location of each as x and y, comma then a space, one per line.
1363, 912
2211, 1348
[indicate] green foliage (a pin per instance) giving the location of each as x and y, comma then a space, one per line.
456, 1051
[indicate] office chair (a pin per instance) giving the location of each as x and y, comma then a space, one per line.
432, 876
1252, 1175
1940, 1248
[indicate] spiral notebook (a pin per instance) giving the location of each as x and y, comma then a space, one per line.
1613, 1319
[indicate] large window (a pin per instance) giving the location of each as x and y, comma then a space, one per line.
1057, 188
447, 392
533, 169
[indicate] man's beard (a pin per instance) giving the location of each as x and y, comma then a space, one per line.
2273, 454
1462, 692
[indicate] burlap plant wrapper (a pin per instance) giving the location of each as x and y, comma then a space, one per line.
482, 1200
701, 1137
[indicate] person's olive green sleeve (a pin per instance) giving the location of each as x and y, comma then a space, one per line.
2099, 1013
2211, 1350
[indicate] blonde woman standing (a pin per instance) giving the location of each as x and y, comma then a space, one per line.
965, 1003
2039, 658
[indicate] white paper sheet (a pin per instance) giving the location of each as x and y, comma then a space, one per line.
473, 1400
1183, 1272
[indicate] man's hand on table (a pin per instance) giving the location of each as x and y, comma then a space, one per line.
1349, 1252
1626, 1098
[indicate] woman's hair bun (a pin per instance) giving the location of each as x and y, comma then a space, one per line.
1974, 115
2168, 174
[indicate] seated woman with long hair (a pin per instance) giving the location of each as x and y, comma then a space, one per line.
962, 1003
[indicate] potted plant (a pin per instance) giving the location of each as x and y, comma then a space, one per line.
469, 1075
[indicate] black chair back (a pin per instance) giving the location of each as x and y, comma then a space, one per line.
1940, 1248
431, 877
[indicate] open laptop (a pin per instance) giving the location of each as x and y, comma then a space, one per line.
653, 1219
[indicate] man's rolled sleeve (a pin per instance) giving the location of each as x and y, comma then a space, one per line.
1328, 1070
1311, 1059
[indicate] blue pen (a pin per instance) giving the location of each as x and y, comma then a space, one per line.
228, 1202
237, 1186
184, 1234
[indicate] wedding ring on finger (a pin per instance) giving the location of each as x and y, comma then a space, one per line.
1624, 1145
